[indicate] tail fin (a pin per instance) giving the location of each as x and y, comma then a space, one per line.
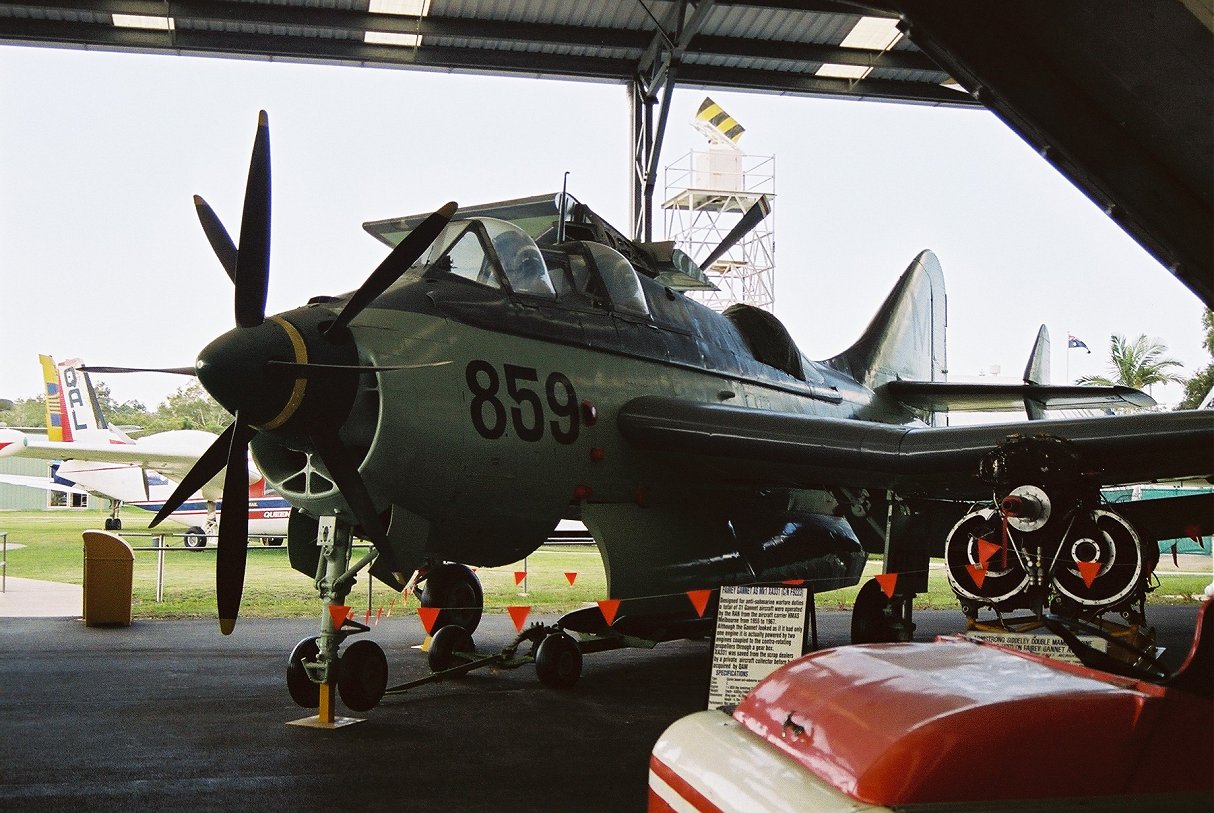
73, 410
905, 340
1037, 371
57, 426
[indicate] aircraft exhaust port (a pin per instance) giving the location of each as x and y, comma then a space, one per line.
109, 570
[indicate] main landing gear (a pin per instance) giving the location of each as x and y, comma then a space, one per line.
114, 522
877, 619
456, 590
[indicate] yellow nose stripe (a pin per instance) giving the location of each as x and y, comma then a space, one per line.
297, 391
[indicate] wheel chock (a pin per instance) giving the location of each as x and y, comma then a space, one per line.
325, 718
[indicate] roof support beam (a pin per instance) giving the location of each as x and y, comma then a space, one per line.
655, 73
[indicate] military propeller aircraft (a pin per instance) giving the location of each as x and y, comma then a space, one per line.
528, 363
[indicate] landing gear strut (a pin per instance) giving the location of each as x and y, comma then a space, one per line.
316, 669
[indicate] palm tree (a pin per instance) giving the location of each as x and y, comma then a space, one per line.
1137, 364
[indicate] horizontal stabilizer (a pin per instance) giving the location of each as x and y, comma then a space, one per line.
940, 396
44, 483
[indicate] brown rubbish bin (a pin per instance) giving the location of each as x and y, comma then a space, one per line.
109, 569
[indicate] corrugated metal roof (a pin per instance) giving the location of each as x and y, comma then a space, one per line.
740, 43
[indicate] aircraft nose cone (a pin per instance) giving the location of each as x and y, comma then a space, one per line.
232, 369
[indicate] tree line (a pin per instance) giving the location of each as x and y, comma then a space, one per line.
190, 407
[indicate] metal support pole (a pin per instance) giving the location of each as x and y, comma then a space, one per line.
159, 568
3, 561
639, 104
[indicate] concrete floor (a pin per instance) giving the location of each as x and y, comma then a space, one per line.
172, 715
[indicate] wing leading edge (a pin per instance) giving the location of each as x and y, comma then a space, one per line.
743, 444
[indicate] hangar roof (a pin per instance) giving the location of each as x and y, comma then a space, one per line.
1118, 94
772, 45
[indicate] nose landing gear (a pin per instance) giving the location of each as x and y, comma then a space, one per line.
315, 669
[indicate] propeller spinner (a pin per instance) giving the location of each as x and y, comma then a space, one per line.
260, 371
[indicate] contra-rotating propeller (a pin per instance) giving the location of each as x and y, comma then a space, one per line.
260, 371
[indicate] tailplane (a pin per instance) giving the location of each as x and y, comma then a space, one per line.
905, 340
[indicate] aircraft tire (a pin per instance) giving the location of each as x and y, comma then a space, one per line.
195, 538
446, 646
362, 675
558, 661
456, 591
303, 691
870, 623
113, 524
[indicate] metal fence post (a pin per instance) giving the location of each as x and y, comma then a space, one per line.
3, 561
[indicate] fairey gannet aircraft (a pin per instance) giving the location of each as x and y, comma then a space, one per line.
527, 363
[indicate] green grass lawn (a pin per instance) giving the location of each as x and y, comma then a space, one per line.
53, 550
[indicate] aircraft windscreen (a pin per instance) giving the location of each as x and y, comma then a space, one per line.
520, 258
620, 279
468, 249
459, 250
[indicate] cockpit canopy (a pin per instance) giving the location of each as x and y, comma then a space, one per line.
487, 250
491, 252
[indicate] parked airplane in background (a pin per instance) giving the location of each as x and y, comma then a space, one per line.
103, 461
530, 363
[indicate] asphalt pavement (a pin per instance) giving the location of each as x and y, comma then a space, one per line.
173, 715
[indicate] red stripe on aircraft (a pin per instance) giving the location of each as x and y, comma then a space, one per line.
680, 786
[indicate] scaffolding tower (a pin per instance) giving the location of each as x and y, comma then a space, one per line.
707, 193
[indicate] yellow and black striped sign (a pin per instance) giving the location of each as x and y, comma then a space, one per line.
713, 115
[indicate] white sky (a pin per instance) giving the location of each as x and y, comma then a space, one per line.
103, 257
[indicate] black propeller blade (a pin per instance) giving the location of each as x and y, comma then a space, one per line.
169, 370
217, 236
233, 544
312, 369
754, 215
396, 263
350, 483
253, 255
209, 464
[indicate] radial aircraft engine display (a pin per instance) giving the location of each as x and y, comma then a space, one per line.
528, 363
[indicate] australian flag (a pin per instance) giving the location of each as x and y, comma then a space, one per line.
1072, 342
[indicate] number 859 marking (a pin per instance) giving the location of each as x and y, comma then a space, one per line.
490, 416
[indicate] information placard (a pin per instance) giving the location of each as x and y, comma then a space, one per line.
759, 628
1045, 644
